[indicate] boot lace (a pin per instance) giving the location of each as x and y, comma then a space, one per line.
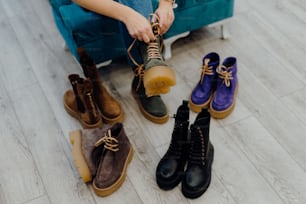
109, 142
225, 73
153, 46
139, 72
197, 148
206, 70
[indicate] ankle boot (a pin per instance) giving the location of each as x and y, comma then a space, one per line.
198, 174
79, 102
116, 155
83, 145
223, 101
153, 107
203, 91
158, 76
170, 169
110, 108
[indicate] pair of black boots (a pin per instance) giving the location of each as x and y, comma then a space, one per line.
187, 147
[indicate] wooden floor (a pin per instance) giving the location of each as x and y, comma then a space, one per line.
260, 149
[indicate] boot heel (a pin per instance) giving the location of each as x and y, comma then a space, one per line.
78, 157
157, 80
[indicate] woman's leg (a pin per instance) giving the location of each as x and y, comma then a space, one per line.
145, 8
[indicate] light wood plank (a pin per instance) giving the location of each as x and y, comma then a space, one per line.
240, 177
18, 168
270, 159
48, 144
40, 200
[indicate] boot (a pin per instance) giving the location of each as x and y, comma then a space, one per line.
83, 143
158, 76
198, 174
203, 91
170, 169
116, 155
153, 108
110, 109
79, 102
224, 98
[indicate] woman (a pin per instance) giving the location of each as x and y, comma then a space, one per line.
142, 28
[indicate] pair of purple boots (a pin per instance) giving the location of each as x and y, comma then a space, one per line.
217, 87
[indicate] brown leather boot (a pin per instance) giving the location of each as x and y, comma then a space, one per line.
117, 153
110, 108
83, 143
79, 102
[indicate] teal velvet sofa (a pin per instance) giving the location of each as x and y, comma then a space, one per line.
100, 37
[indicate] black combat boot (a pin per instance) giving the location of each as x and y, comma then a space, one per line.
170, 169
201, 152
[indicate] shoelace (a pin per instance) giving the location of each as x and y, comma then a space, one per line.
109, 142
139, 72
225, 73
197, 148
153, 48
206, 70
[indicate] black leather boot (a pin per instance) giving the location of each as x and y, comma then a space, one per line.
170, 169
198, 174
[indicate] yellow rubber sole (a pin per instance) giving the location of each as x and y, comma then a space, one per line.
223, 114
197, 108
111, 189
78, 157
157, 80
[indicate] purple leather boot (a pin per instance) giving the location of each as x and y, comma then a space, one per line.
203, 92
224, 98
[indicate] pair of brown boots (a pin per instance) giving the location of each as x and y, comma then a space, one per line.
88, 100
102, 155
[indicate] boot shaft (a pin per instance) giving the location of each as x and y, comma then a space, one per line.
83, 91
227, 76
199, 140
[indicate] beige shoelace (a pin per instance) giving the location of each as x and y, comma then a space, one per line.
139, 72
109, 142
153, 48
225, 73
206, 70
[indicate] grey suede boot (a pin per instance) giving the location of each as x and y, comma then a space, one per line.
83, 143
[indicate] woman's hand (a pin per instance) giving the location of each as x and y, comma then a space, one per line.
139, 27
165, 15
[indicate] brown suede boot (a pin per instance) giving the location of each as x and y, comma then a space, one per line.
117, 153
83, 143
110, 108
79, 102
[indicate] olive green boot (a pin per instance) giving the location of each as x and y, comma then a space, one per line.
153, 107
159, 76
